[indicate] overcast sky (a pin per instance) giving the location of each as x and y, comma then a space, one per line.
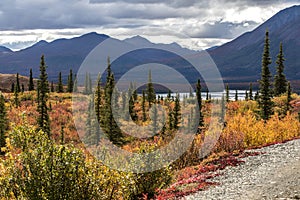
194, 24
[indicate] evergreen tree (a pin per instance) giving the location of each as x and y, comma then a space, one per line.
16, 97
22, 88
265, 92
207, 95
169, 95
154, 120
12, 90
150, 90
132, 112
70, 82
250, 92
17, 87
109, 125
52, 87
31, 84
3, 123
176, 112
98, 95
227, 93
43, 95
222, 117
199, 100
75, 89
288, 97
280, 83
144, 106
170, 119
236, 98
246, 96
60, 87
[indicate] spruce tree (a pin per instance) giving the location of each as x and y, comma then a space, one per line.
75, 89
17, 87
199, 100
43, 95
52, 87
236, 97
98, 99
265, 92
3, 123
70, 82
16, 97
207, 95
60, 87
154, 120
30, 84
176, 113
150, 90
227, 92
250, 92
22, 88
280, 83
144, 106
12, 90
246, 96
109, 125
288, 97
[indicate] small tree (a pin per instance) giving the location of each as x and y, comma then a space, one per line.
16, 97
30, 84
250, 92
236, 95
70, 82
144, 107
199, 100
176, 112
150, 90
3, 123
227, 93
17, 87
12, 90
60, 87
288, 97
280, 83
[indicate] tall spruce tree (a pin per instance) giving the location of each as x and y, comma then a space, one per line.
70, 82
250, 92
17, 87
199, 100
265, 91
236, 97
150, 90
43, 95
52, 87
280, 82
3, 123
227, 92
60, 87
98, 99
12, 90
109, 125
176, 112
144, 106
30, 84
288, 97
16, 97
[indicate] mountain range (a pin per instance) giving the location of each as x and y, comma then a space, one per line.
239, 61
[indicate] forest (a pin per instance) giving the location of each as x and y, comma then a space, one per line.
44, 155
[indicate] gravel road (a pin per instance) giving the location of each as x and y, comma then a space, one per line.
272, 175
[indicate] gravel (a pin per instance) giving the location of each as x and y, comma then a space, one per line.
275, 174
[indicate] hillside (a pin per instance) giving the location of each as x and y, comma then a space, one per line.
240, 59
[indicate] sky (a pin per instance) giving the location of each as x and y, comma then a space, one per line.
194, 24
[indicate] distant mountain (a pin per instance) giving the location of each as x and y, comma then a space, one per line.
4, 50
64, 54
240, 59
61, 55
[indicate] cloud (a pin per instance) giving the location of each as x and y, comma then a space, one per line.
216, 19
